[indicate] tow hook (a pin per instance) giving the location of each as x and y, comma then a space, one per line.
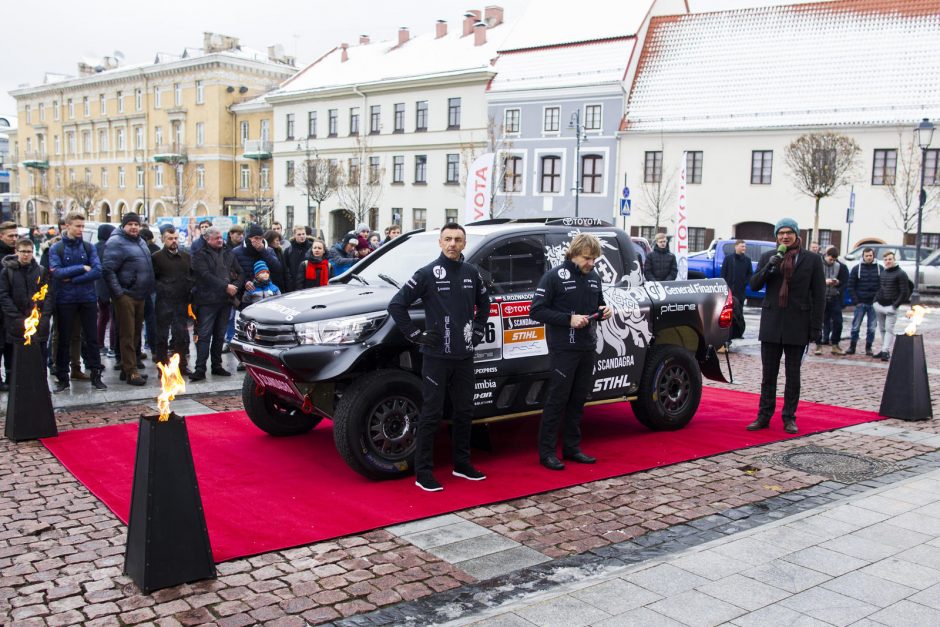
259, 389
307, 407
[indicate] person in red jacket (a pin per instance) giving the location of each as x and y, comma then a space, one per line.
315, 268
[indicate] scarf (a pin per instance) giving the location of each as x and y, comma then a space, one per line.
786, 268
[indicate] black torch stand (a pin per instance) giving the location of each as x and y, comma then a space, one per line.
167, 538
907, 392
29, 402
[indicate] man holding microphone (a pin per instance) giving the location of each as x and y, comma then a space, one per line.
569, 300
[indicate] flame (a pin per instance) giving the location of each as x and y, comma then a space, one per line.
32, 322
172, 383
190, 312
916, 314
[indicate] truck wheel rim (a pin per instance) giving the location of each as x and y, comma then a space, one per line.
674, 389
392, 427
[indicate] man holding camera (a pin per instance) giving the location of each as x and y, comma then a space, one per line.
450, 290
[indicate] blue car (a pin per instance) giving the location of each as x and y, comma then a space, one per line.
709, 261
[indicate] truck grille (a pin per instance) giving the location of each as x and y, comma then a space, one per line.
253, 332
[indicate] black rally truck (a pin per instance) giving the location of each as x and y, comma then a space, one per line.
334, 352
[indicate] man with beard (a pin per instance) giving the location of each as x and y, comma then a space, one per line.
172, 269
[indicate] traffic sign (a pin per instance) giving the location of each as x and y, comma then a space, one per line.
625, 205
850, 215
852, 200
626, 191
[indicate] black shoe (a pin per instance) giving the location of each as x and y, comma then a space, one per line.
758, 424
220, 371
851, 349
96, 381
198, 375
579, 457
868, 350
240, 367
428, 483
142, 357
137, 379
552, 463
790, 426
468, 472
885, 356
60, 386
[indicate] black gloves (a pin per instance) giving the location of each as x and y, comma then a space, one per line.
478, 334
431, 339
775, 261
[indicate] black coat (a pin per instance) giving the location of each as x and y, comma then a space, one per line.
893, 289
213, 270
281, 276
736, 270
294, 256
127, 266
174, 276
17, 286
800, 322
562, 291
661, 265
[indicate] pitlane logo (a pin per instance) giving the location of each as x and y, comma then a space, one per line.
656, 290
439, 272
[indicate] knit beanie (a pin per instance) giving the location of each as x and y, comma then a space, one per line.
129, 217
261, 266
362, 227
786, 223
254, 231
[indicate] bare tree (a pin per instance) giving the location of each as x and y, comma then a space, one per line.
319, 178
85, 194
659, 192
820, 164
359, 191
903, 188
182, 175
504, 175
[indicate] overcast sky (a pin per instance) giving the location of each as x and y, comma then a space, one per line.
54, 35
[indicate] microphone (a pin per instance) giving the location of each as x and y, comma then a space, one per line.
781, 250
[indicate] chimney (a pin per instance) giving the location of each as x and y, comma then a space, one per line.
363, 40
479, 33
345, 55
493, 16
469, 19
403, 35
440, 29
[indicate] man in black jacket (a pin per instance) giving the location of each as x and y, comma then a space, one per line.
791, 318
893, 291
7, 248
864, 281
450, 290
837, 278
661, 264
568, 300
736, 270
296, 251
172, 269
218, 279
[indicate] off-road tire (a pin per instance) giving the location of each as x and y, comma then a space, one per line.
375, 425
272, 415
670, 389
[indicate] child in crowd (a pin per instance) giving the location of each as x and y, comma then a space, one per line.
263, 286
315, 268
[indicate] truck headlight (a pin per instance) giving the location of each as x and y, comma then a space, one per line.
340, 330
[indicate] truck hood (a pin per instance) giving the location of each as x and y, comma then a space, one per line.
320, 303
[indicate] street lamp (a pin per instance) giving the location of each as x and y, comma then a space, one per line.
579, 137
924, 135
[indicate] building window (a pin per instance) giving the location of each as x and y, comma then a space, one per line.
86, 107
697, 238
930, 240
158, 135
399, 117
421, 115
885, 167
551, 118
138, 99
104, 178
57, 144
158, 177
121, 178
265, 130
102, 141
200, 92
592, 118
353, 169
120, 139
243, 131
102, 106
453, 113
289, 178
200, 133
375, 171
87, 176
56, 114
551, 175
353, 120
825, 238
140, 177
28, 113
419, 218
592, 174
312, 124
42, 112
138, 138
70, 104
397, 213
120, 102
421, 169
762, 164
653, 167
265, 177
398, 169
69, 141
289, 126
511, 121
512, 174
453, 169
332, 116
177, 135
693, 170
157, 102
289, 212
375, 118
201, 176
177, 94
450, 215
932, 169
245, 181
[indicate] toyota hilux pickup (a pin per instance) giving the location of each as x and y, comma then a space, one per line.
334, 352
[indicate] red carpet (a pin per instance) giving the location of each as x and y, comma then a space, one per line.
262, 493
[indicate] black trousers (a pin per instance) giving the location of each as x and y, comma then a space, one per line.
770, 353
211, 321
440, 377
171, 317
568, 389
832, 322
87, 313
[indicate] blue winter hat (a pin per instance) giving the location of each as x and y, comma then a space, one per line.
260, 267
786, 223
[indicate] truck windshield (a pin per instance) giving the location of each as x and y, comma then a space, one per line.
400, 261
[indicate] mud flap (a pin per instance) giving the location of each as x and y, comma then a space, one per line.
711, 366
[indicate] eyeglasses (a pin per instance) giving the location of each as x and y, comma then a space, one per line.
785, 233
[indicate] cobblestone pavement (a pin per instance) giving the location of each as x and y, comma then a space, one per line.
61, 550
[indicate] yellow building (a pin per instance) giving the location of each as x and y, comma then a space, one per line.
159, 139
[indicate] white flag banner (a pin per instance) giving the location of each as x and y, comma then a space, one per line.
479, 189
682, 226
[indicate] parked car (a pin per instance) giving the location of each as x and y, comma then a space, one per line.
929, 273
333, 352
903, 254
709, 261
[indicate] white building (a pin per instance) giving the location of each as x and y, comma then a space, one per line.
734, 88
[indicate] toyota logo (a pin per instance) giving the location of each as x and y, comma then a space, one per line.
251, 330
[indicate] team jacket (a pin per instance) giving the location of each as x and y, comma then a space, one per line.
563, 291
450, 290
